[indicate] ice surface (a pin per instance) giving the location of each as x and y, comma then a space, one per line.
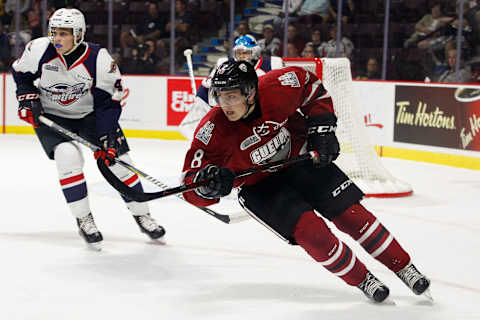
210, 270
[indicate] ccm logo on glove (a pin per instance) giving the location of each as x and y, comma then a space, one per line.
322, 129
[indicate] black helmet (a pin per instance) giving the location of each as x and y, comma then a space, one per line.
232, 75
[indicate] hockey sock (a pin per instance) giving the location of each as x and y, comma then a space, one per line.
133, 181
367, 230
69, 161
313, 235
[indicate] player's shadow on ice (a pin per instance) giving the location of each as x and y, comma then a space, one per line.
315, 294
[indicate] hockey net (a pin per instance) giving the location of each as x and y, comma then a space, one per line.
358, 158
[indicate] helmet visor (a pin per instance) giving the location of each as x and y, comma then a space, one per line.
229, 98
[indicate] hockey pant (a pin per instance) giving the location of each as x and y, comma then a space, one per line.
69, 161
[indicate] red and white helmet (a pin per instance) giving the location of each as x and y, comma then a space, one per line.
68, 18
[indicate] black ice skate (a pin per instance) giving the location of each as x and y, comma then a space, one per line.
416, 281
88, 231
374, 289
149, 226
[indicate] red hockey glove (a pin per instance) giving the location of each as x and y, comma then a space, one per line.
30, 108
220, 182
110, 144
322, 139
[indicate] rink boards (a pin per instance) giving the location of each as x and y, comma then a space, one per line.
435, 123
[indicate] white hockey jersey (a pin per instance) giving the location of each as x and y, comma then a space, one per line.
91, 84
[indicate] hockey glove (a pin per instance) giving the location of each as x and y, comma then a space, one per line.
220, 181
110, 144
29, 107
322, 139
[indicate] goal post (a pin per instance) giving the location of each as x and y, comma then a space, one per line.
358, 157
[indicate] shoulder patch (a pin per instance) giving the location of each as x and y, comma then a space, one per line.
205, 132
289, 79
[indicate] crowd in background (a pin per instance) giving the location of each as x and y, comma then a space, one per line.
421, 44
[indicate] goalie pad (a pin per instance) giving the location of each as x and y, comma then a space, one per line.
190, 122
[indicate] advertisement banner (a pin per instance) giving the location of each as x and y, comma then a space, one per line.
179, 99
438, 116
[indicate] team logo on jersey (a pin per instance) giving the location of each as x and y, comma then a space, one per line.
289, 79
113, 67
261, 131
49, 67
205, 132
65, 94
267, 127
274, 149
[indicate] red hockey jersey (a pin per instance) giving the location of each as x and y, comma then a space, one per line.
274, 131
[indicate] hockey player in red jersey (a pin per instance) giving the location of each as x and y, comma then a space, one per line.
281, 115
79, 87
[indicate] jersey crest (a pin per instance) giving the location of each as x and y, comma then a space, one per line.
289, 79
274, 149
65, 94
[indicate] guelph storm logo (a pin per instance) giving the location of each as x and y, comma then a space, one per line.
65, 94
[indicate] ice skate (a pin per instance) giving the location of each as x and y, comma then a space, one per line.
416, 281
374, 289
89, 232
149, 226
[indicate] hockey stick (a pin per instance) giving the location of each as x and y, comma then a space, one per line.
49, 123
188, 55
147, 196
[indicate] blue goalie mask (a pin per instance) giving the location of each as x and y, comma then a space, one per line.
246, 48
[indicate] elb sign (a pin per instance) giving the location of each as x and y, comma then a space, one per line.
179, 99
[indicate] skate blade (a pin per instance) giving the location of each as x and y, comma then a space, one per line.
97, 246
388, 302
159, 242
428, 295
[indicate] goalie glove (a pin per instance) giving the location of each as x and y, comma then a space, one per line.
29, 107
220, 182
322, 139
110, 144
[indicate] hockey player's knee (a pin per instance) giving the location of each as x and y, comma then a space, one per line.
312, 234
355, 220
68, 156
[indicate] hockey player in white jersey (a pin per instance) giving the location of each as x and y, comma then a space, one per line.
79, 88
245, 48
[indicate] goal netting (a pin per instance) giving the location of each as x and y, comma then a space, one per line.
358, 157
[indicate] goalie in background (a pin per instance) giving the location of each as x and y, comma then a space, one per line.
245, 48
79, 88
257, 122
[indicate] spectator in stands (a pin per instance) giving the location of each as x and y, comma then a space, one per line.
25, 34
348, 10
372, 70
183, 21
309, 51
313, 12
152, 28
242, 29
329, 49
270, 45
293, 7
316, 40
464, 73
5, 52
33, 18
427, 29
143, 60
293, 37
292, 51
